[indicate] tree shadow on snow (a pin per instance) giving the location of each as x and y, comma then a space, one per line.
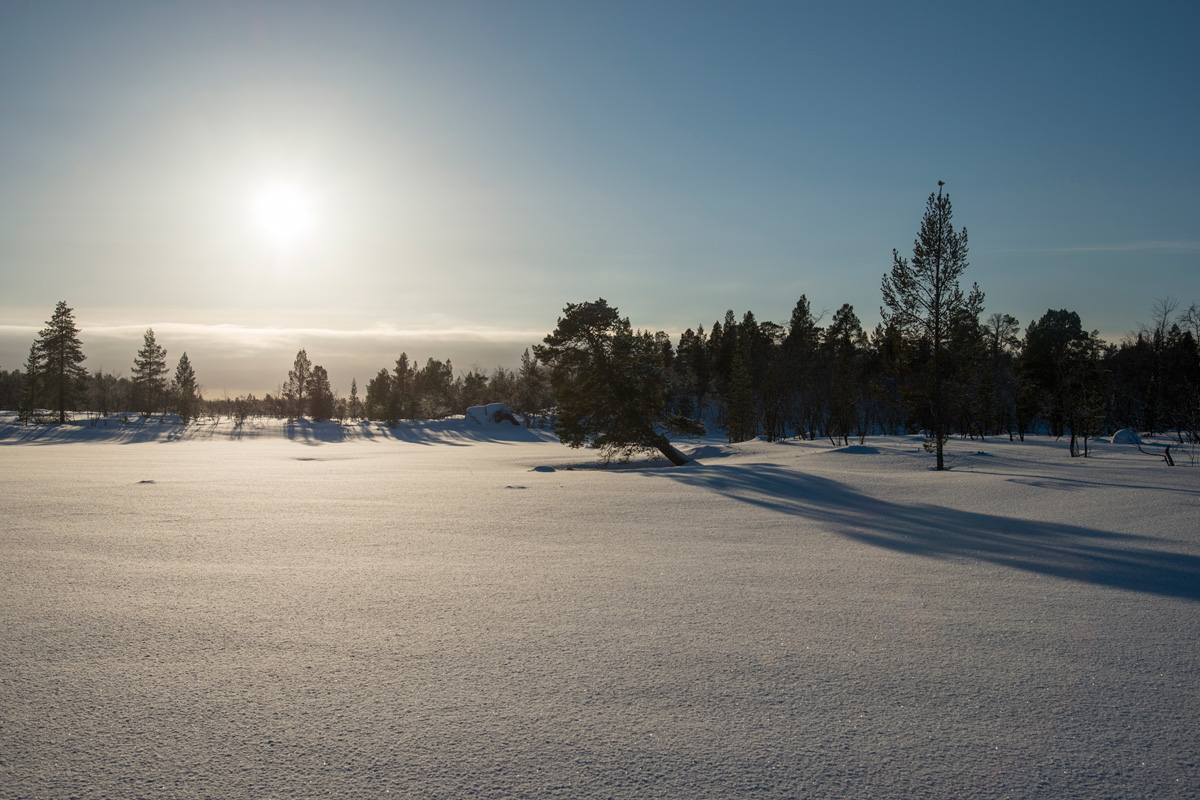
307, 432
1070, 552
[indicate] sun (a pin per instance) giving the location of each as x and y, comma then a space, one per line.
283, 214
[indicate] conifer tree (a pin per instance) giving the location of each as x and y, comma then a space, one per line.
183, 387
531, 388
844, 342
355, 409
740, 423
922, 299
320, 394
31, 387
56, 359
149, 374
610, 385
402, 402
379, 394
295, 391
801, 355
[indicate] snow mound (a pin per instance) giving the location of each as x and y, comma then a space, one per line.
490, 414
1126, 436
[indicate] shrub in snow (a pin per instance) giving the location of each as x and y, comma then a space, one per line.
1126, 436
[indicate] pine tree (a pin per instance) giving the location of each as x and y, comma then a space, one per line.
57, 361
183, 387
320, 394
295, 391
31, 387
402, 402
531, 388
379, 392
844, 341
740, 423
1046, 364
355, 409
923, 300
801, 355
149, 374
610, 385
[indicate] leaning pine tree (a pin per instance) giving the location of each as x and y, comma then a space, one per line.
610, 386
922, 299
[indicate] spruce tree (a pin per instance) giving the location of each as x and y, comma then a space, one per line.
149, 374
57, 357
922, 299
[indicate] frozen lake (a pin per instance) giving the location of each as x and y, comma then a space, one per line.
315, 613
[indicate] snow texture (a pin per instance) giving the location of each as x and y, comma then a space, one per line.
1126, 436
491, 414
445, 611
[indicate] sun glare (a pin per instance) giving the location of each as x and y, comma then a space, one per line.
283, 214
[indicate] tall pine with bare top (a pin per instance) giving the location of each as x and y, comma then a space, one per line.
922, 299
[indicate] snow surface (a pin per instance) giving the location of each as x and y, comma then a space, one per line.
453, 610
490, 413
1126, 436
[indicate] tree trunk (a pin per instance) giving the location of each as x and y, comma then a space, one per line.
676, 458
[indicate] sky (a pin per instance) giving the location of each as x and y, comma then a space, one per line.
365, 178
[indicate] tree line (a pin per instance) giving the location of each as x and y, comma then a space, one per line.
809, 378
54, 383
934, 364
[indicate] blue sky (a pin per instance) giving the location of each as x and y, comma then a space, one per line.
469, 168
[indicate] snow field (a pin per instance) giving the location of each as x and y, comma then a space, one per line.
424, 614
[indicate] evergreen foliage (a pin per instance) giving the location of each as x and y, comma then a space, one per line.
1046, 363
751, 378
355, 407
379, 397
149, 375
922, 299
55, 376
320, 394
295, 391
185, 390
610, 385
